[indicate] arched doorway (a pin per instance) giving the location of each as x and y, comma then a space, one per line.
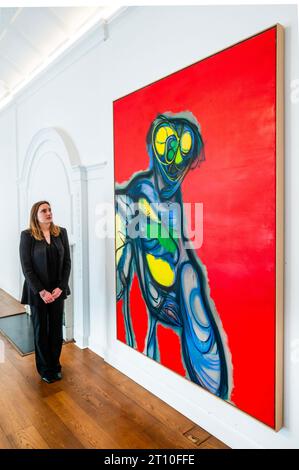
52, 171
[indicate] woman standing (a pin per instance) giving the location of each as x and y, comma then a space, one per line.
46, 265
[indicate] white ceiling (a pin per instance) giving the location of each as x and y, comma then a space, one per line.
29, 37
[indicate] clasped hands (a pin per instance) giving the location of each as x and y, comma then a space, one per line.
49, 297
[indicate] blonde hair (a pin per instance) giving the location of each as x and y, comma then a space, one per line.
34, 226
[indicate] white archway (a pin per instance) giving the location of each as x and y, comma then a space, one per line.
52, 170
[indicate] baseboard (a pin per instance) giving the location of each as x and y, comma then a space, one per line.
81, 341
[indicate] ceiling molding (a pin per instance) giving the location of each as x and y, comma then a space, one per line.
23, 37
7, 16
11, 64
64, 27
45, 67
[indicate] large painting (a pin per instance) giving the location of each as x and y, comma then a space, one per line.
199, 223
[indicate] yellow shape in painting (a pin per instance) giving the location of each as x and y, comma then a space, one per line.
160, 270
162, 135
119, 239
178, 157
145, 207
186, 142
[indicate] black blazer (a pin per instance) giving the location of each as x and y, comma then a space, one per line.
33, 257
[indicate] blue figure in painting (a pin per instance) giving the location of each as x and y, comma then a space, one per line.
171, 277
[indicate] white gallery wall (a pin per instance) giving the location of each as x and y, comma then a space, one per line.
74, 97
9, 234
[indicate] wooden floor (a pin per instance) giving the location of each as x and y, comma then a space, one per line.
94, 406
9, 305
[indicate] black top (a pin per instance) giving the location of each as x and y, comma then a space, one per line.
52, 263
52, 268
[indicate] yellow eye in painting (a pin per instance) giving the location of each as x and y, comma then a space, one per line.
186, 142
161, 137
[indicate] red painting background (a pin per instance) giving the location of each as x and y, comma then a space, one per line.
232, 94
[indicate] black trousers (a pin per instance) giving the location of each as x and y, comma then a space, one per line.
47, 321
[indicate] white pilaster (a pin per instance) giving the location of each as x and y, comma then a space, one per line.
80, 256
